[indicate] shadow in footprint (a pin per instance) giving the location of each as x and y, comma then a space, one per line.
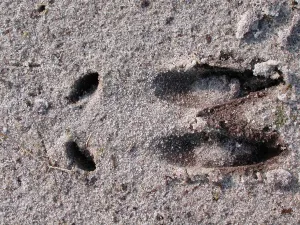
80, 157
293, 40
217, 149
216, 84
83, 87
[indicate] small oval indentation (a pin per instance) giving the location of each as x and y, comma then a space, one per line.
83, 87
81, 157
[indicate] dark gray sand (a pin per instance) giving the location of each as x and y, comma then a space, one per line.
149, 112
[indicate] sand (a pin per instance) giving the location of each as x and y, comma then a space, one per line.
149, 112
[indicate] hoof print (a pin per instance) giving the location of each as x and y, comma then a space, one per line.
217, 149
83, 87
80, 157
231, 141
192, 87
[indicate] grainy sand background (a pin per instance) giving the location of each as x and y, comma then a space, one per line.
116, 147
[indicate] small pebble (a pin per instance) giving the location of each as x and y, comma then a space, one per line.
281, 97
41, 106
266, 69
4, 130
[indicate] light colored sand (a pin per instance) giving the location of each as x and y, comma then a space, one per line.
128, 43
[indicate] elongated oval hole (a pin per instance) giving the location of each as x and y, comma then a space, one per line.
80, 157
84, 87
193, 148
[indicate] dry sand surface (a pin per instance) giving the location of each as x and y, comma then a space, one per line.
149, 112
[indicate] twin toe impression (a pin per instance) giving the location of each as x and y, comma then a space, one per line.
228, 140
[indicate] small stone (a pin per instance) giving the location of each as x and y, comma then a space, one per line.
4, 130
204, 61
266, 69
259, 177
190, 65
281, 97
275, 76
279, 178
41, 106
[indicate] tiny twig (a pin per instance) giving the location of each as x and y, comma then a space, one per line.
88, 140
43, 160
40, 159
58, 168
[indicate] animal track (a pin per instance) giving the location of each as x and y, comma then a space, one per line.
228, 139
80, 157
217, 149
216, 84
83, 87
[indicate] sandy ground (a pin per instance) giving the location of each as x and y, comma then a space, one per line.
149, 112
